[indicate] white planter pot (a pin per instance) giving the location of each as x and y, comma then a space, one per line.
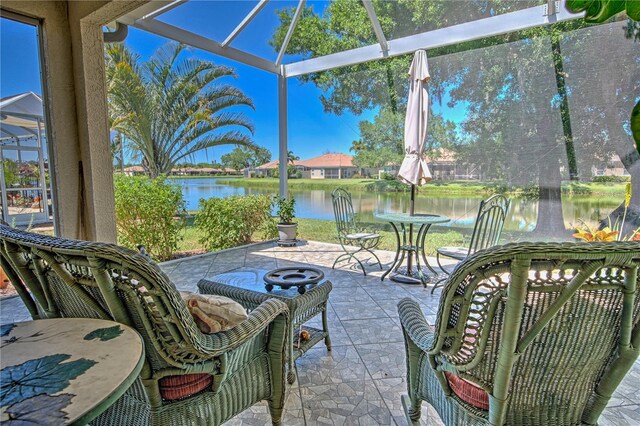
287, 234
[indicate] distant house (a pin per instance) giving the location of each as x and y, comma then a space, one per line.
445, 166
613, 167
267, 169
329, 166
133, 170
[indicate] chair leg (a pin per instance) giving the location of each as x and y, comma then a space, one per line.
276, 414
412, 409
437, 283
370, 251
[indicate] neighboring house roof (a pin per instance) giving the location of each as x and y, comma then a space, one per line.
134, 169
334, 159
273, 165
442, 155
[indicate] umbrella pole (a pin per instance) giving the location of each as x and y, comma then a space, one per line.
411, 213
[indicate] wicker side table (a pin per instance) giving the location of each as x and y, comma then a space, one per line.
247, 287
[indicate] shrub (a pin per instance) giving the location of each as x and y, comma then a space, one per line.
286, 209
606, 179
231, 221
146, 212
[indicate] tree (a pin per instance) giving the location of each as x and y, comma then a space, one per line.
169, 108
381, 142
242, 157
117, 151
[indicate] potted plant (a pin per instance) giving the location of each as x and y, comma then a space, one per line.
287, 228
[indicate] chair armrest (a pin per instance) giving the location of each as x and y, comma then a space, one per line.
415, 325
259, 319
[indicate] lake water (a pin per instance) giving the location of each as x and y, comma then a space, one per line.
316, 204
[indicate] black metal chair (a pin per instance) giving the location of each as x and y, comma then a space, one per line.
353, 238
486, 232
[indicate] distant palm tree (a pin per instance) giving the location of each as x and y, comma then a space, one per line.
170, 108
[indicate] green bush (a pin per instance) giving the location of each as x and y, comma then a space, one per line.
146, 213
606, 179
230, 222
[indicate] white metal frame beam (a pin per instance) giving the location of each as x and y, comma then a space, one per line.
187, 37
244, 23
149, 10
292, 28
375, 23
468, 31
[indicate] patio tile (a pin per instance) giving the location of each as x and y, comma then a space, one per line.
360, 310
392, 390
338, 334
384, 291
628, 415
353, 294
321, 367
258, 414
369, 331
353, 403
383, 360
13, 310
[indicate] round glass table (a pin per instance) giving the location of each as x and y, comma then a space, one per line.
410, 246
65, 371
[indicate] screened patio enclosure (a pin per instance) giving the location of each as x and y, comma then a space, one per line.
25, 193
523, 92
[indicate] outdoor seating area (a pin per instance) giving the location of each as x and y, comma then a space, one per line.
363, 377
328, 212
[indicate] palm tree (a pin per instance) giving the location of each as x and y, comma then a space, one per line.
170, 108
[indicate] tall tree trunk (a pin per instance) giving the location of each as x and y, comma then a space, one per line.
393, 96
558, 66
550, 218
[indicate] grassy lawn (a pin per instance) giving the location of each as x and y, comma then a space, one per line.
432, 188
324, 230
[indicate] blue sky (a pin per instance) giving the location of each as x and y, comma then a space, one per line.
312, 132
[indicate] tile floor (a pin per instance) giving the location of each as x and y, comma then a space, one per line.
361, 380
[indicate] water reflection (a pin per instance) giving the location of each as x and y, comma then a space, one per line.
316, 204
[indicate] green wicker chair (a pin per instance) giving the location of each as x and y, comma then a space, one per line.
79, 279
544, 331
353, 238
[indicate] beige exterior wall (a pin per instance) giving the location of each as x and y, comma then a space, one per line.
75, 101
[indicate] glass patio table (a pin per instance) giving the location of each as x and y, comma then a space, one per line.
409, 247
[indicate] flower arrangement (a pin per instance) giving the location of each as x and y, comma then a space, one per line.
613, 232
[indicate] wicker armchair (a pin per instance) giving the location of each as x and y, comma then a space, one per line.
353, 238
80, 279
544, 332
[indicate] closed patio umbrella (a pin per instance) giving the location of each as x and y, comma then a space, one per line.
414, 170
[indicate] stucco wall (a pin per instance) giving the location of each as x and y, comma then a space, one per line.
75, 97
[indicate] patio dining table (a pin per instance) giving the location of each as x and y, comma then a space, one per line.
410, 247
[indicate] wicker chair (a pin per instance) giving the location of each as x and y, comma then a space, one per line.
79, 279
545, 332
492, 214
353, 238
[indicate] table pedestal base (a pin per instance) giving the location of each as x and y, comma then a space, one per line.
416, 276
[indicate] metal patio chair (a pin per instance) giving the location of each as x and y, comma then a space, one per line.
492, 214
353, 237
527, 334
60, 278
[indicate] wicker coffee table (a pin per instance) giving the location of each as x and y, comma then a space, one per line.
247, 287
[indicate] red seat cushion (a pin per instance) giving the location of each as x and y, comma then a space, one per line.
180, 387
468, 392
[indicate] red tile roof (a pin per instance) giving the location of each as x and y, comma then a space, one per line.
333, 159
